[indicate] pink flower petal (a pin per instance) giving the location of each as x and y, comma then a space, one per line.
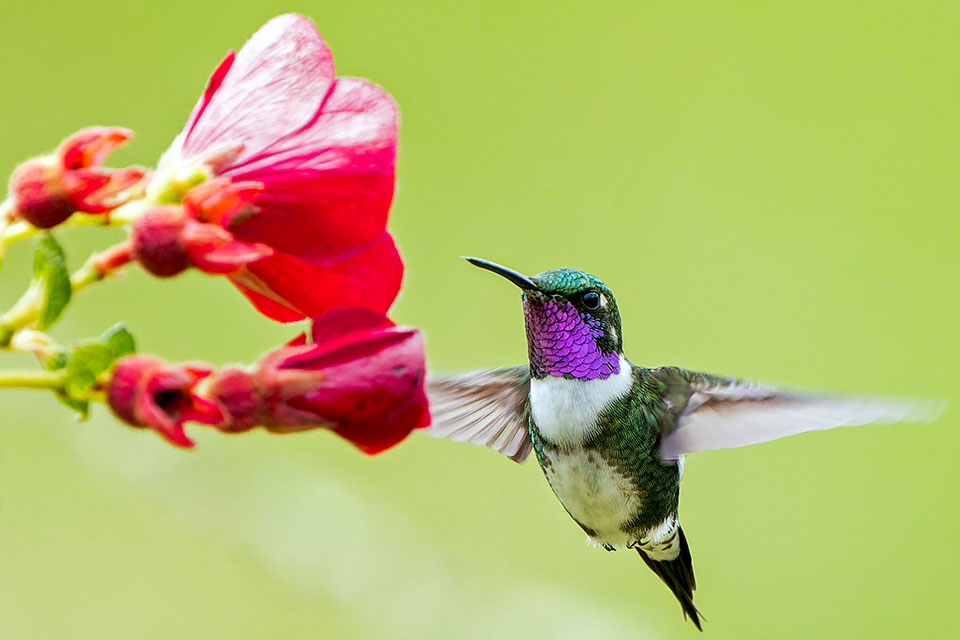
363, 348
328, 188
272, 88
372, 389
369, 278
324, 152
213, 84
273, 309
339, 323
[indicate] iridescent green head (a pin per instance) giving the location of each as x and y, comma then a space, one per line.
572, 320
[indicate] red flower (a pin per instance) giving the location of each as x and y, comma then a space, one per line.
363, 378
323, 149
149, 393
48, 189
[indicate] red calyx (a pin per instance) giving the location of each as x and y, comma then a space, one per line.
148, 393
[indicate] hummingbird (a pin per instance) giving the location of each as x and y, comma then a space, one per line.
610, 436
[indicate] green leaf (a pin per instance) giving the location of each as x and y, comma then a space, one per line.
82, 407
119, 339
85, 363
51, 274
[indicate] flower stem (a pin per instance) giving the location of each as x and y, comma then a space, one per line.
99, 265
52, 380
22, 314
26, 311
6, 219
15, 230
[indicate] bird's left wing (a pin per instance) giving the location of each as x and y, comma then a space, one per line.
490, 407
721, 413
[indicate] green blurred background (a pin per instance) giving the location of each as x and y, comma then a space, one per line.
771, 191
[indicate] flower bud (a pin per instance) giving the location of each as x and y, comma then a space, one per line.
38, 196
240, 399
169, 238
362, 378
157, 242
47, 190
148, 393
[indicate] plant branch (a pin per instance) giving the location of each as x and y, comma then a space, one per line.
26, 311
52, 380
22, 314
15, 230
100, 265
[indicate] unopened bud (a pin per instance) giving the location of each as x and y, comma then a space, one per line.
38, 195
157, 240
48, 189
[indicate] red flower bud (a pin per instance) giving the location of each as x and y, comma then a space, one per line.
157, 244
362, 378
47, 190
149, 393
169, 238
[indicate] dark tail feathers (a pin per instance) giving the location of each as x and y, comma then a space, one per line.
678, 575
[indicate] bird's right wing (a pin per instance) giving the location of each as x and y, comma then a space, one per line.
721, 413
490, 407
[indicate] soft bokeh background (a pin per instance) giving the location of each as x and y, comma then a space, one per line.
771, 192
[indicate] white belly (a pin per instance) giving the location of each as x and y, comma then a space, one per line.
594, 493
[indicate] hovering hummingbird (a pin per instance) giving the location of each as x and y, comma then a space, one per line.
609, 435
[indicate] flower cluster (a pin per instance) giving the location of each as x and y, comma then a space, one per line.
281, 180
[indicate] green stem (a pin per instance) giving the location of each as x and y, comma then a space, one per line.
17, 230
27, 309
6, 219
86, 275
22, 314
100, 265
52, 380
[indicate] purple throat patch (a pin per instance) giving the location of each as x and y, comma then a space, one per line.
562, 342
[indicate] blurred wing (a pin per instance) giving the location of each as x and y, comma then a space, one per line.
489, 407
721, 413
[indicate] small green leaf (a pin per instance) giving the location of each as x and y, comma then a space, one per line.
51, 274
119, 339
80, 406
85, 363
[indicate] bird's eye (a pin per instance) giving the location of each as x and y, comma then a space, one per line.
591, 300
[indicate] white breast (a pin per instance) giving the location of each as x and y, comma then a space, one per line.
565, 411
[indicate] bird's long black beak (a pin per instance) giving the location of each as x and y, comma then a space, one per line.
515, 277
